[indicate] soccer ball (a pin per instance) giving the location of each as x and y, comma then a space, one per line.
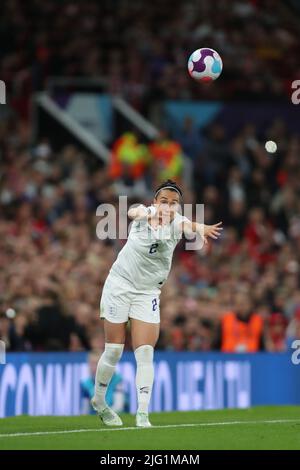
205, 65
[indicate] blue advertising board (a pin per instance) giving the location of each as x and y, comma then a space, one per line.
49, 383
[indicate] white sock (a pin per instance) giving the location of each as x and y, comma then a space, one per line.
105, 370
144, 376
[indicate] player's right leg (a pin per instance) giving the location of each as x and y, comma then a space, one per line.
114, 308
114, 345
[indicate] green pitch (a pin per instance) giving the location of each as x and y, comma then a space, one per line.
254, 428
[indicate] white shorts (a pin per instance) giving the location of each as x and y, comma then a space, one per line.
120, 301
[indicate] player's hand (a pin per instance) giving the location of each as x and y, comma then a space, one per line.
212, 231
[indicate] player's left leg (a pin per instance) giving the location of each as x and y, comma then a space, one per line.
144, 338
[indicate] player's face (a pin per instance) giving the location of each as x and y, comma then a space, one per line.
167, 202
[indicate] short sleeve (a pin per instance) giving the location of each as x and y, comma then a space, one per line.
138, 225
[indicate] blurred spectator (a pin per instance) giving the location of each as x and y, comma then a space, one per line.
293, 330
129, 162
167, 159
19, 340
53, 330
215, 155
189, 139
202, 338
5, 331
275, 337
242, 329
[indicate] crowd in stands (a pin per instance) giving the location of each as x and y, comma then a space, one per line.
52, 265
141, 51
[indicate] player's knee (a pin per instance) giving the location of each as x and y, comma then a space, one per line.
144, 354
113, 352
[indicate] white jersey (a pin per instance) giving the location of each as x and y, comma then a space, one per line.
146, 258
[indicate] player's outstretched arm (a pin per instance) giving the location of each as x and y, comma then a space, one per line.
206, 231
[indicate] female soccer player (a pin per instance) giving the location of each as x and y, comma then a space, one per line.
132, 290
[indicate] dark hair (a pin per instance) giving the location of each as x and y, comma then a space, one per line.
169, 184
